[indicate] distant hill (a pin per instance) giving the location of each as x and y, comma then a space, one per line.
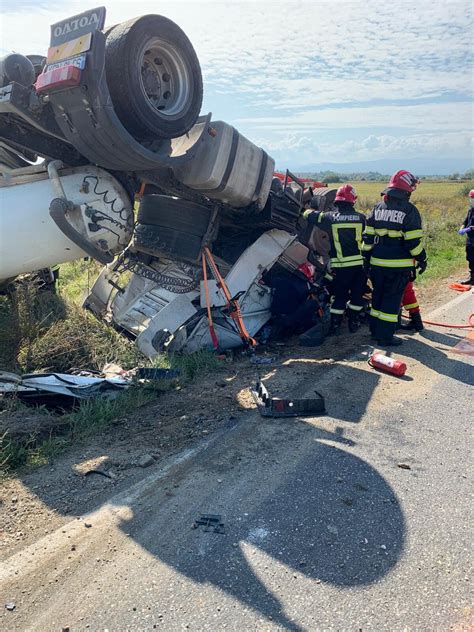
419, 166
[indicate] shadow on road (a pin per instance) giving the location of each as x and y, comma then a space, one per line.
320, 513
438, 359
296, 502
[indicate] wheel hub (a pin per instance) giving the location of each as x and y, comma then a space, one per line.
164, 77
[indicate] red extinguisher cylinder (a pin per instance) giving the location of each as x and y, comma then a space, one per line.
389, 365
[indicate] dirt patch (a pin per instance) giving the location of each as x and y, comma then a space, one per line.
435, 293
24, 424
40, 501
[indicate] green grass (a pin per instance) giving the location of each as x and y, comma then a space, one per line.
87, 419
76, 279
191, 366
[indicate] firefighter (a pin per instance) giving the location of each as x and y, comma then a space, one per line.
345, 227
392, 245
410, 304
468, 229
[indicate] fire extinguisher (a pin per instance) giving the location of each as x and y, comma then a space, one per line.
389, 365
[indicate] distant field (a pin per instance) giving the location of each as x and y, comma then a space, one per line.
443, 207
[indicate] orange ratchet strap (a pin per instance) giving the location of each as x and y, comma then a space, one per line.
233, 306
212, 331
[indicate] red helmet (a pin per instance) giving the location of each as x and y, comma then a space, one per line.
308, 270
346, 193
403, 180
471, 193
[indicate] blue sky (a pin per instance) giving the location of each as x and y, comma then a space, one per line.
336, 81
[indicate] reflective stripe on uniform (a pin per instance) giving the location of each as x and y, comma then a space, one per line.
357, 227
344, 259
346, 264
383, 232
411, 306
333, 310
367, 247
417, 250
391, 263
369, 230
389, 318
413, 234
356, 308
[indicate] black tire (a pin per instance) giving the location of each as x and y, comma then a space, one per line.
154, 77
180, 215
166, 242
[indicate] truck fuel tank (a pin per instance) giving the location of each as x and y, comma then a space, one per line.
228, 167
29, 237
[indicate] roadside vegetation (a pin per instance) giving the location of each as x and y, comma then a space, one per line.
42, 331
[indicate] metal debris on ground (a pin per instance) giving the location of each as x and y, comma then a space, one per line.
210, 522
255, 359
100, 472
33, 385
286, 407
404, 466
10, 606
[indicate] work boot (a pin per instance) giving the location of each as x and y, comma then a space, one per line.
353, 322
414, 323
334, 329
469, 281
394, 341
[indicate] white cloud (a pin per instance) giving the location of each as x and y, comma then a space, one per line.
442, 117
305, 70
288, 149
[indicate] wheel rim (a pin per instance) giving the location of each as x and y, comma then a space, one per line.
164, 78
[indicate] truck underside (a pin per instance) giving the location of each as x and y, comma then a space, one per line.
103, 153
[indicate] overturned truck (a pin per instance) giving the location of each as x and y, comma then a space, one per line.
104, 153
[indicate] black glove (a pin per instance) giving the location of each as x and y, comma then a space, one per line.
422, 265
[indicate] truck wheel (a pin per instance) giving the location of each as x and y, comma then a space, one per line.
154, 77
167, 242
168, 212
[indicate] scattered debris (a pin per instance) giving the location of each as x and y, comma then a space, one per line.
87, 525
210, 522
404, 466
281, 407
145, 461
97, 471
255, 359
33, 385
10, 606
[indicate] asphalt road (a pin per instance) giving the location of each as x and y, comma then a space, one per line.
323, 528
